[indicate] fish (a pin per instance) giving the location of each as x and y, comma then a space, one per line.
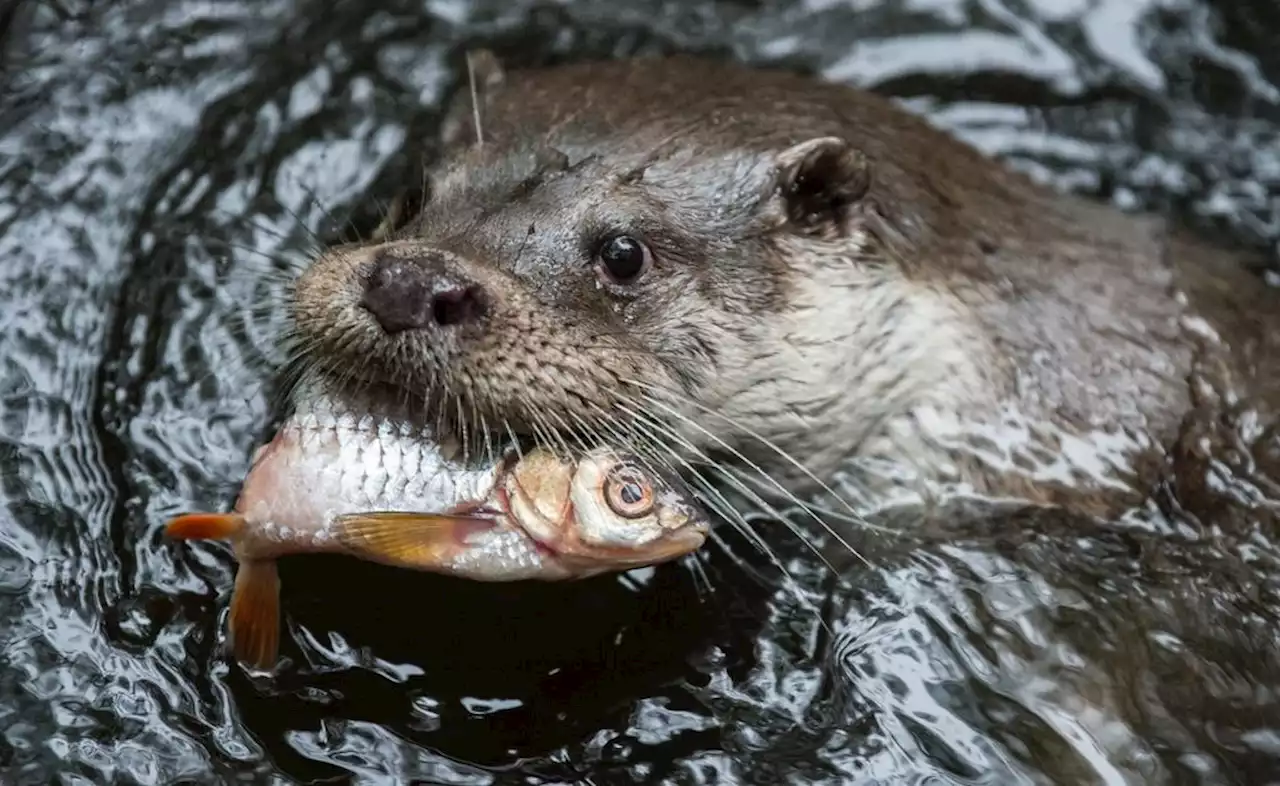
382, 488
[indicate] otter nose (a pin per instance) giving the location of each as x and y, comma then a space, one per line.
405, 295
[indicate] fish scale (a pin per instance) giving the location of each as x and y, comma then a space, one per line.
380, 468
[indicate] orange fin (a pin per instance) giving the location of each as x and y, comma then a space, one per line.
255, 613
416, 540
205, 526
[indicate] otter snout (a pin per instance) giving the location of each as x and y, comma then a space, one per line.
412, 294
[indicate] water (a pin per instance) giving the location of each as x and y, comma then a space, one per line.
161, 161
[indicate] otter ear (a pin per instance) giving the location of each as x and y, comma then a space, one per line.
820, 181
484, 77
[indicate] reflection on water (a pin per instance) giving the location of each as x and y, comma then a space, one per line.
167, 165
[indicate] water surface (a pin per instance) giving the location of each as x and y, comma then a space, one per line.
165, 165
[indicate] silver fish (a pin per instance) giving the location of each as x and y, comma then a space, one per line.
378, 487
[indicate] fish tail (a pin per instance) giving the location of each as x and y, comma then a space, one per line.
205, 526
255, 613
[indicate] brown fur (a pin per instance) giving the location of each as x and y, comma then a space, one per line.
831, 273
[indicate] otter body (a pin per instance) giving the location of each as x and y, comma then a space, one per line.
756, 267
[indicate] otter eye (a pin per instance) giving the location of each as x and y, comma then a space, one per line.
628, 492
622, 259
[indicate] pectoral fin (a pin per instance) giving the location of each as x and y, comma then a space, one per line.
413, 540
255, 613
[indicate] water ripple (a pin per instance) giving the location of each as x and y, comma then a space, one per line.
165, 167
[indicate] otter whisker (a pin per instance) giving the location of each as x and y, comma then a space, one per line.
809, 506
425, 185
637, 440
702, 584
741, 562
515, 442
843, 542
463, 435
540, 435
592, 432
546, 435
557, 434
441, 414
739, 520
642, 441
293, 259
294, 370
315, 244
475, 99
325, 212
769, 444
470, 439
770, 510
265, 309
564, 428
552, 437
740, 523
707, 494
490, 456
556, 425
748, 479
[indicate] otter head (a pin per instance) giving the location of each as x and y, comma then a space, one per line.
628, 252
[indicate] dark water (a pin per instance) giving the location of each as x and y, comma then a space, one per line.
163, 165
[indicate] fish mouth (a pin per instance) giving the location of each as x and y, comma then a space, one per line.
674, 546
671, 547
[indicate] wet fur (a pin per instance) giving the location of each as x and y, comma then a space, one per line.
833, 278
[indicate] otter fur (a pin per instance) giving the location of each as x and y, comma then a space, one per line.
753, 267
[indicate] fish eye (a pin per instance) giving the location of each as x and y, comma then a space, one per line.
627, 491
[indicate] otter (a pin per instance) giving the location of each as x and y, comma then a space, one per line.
752, 266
